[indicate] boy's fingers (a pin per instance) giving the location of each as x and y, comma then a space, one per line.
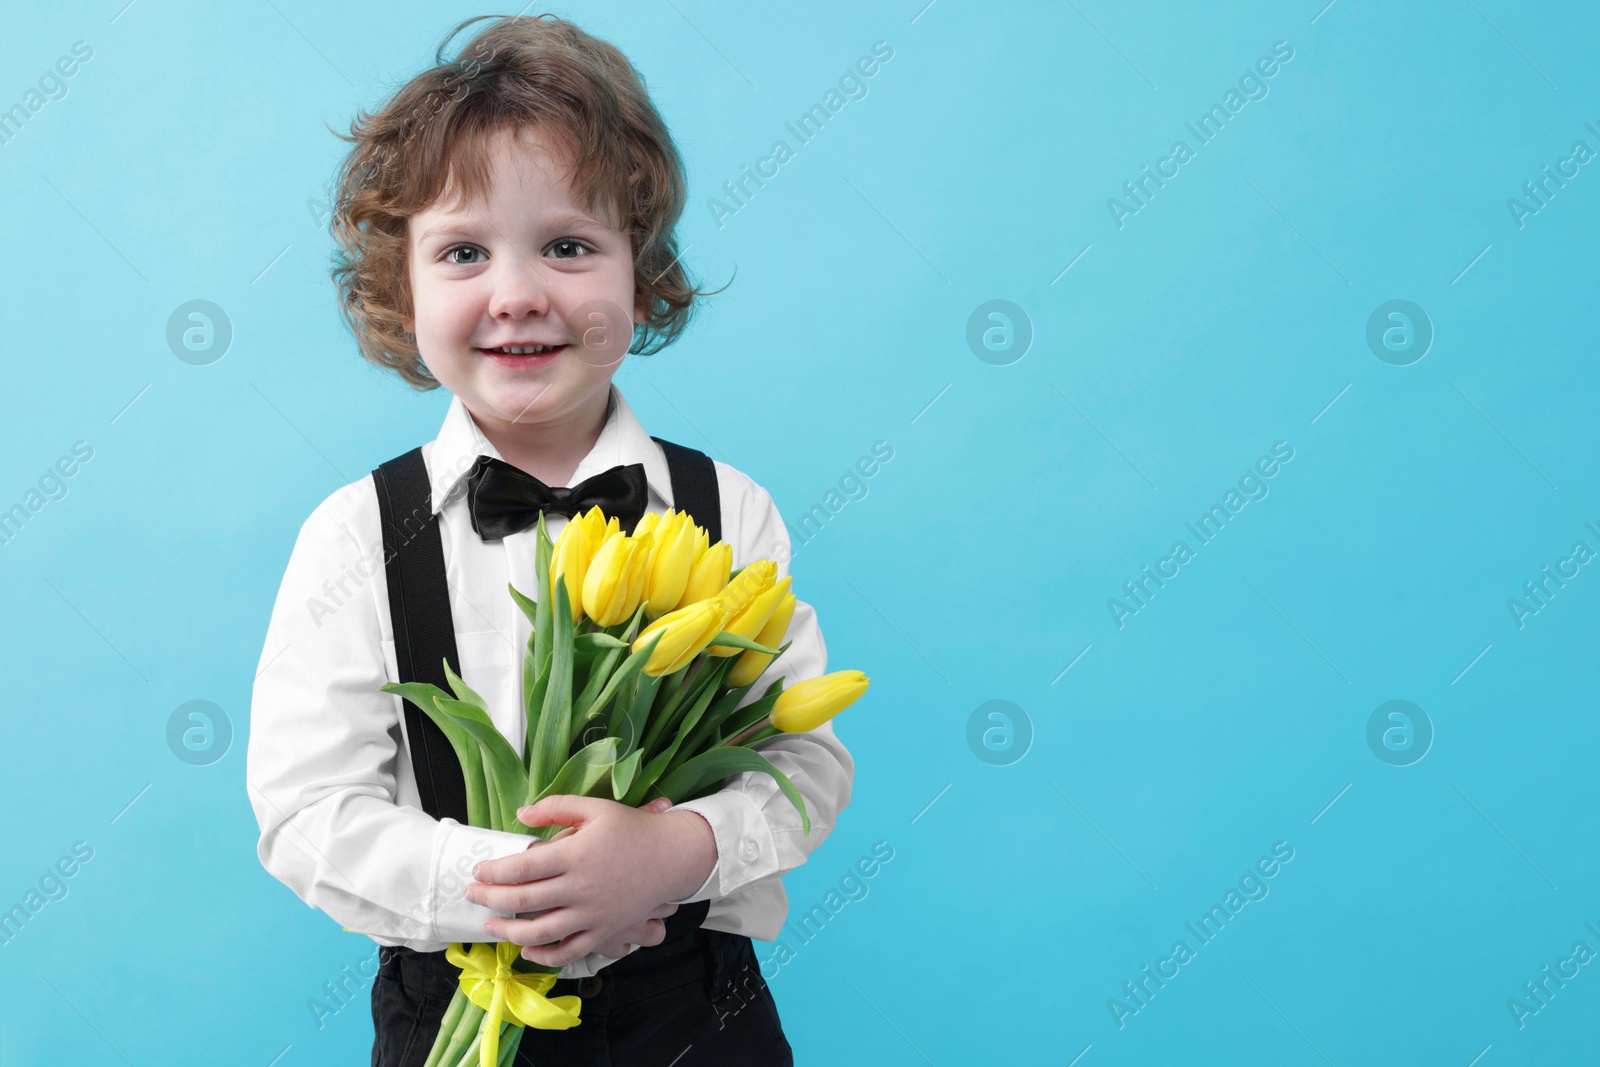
573, 948
650, 932
540, 860
518, 898
551, 926
560, 810
657, 806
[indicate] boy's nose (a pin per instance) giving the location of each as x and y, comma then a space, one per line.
520, 289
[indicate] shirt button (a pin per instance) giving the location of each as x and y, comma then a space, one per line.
750, 849
589, 987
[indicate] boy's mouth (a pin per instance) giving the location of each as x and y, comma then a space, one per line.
522, 355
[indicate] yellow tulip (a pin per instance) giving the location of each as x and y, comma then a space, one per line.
709, 575
615, 578
677, 540
569, 560
638, 571
807, 705
687, 631
751, 664
755, 598
749, 583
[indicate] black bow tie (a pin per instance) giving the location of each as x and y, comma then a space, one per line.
505, 500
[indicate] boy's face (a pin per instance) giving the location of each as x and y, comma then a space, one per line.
526, 265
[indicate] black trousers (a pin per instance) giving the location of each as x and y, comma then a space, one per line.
695, 1000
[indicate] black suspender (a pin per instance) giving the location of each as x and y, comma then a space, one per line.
694, 486
424, 633
419, 598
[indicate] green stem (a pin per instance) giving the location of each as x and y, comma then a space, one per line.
469, 1055
753, 734
510, 1038
663, 718
447, 1027
466, 1030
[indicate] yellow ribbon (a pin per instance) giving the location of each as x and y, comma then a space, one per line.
488, 980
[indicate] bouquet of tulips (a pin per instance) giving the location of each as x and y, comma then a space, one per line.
643, 647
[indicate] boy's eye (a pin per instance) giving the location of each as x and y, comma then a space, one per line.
450, 252
569, 243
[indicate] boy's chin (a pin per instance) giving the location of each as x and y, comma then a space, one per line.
521, 402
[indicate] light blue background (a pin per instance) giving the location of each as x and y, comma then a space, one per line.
188, 159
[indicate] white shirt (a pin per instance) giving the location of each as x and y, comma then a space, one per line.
328, 769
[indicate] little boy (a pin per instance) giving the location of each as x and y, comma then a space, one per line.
505, 224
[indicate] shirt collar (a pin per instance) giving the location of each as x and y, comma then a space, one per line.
622, 441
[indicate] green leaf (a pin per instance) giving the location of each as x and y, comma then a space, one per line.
630, 667
622, 774
753, 712
761, 735
536, 661
419, 693
584, 774
628, 721
668, 699
502, 802
630, 630
711, 722
554, 734
598, 677
529, 608
533, 700
596, 640
462, 691
424, 696
691, 683
704, 689
542, 621
732, 640
497, 751
647, 778
714, 766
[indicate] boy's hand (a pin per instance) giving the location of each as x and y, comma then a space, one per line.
598, 882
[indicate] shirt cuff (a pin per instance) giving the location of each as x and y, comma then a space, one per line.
746, 849
450, 915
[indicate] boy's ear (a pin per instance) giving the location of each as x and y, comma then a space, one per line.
641, 307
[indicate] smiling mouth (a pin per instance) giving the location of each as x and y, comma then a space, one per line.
523, 351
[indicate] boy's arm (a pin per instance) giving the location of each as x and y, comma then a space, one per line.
323, 751
757, 830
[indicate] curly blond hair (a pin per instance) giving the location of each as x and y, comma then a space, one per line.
434, 133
